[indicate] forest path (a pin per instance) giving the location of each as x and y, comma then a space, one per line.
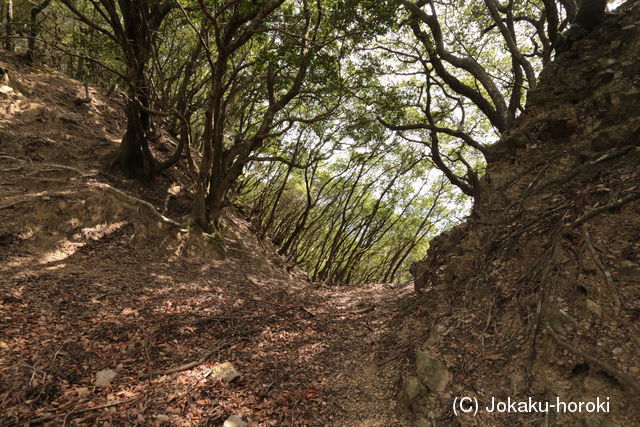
306, 355
90, 281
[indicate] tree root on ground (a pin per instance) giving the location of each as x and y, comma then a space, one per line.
540, 270
52, 167
29, 198
606, 366
617, 303
618, 203
146, 204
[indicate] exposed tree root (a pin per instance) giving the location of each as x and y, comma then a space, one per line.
19, 168
620, 202
52, 166
144, 203
606, 366
545, 266
588, 166
28, 198
607, 276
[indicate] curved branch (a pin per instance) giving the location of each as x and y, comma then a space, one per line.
510, 40
498, 113
456, 133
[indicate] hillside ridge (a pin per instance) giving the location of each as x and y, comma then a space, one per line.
537, 294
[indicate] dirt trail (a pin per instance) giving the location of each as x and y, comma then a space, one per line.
90, 281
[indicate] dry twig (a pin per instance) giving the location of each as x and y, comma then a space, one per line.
190, 365
82, 411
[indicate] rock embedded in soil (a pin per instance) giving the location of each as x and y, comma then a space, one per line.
411, 388
6, 92
432, 372
234, 421
593, 307
105, 377
225, 372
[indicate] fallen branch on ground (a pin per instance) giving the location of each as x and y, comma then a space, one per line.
189, 365
82, 411
273, 302
349, 313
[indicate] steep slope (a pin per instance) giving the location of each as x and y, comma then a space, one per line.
537, 295
93, 279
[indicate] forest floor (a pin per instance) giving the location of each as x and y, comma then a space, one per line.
89, 281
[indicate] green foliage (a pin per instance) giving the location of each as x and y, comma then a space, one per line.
368, 210
314, 88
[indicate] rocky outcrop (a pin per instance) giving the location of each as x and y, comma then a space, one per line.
537, 295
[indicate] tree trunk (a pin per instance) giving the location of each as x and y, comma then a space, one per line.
216, 198
133, 156
300, 224
199, 211
8, 26
33, 29
276, 202
590, 13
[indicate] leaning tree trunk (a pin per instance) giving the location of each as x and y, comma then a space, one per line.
276, 202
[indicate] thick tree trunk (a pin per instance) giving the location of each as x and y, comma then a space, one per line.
590, 13
208, 206
199, 211
133, 156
